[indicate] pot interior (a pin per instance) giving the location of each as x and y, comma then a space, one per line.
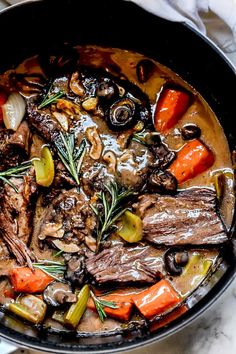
39, 26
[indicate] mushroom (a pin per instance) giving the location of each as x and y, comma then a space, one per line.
75, 85
66, 247
75, 269
144, 70
58, 293
90, 104
68, 107
62, 120
162, 181
91, 243
51, 230
175, 259
121, 114
110, 158
107, 90
95, 140
190, 131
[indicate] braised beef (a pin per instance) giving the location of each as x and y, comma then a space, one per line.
189, 218
43, 122
14, 146
16, 212
121, 264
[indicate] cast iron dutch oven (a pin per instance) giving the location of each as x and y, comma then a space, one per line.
36, 26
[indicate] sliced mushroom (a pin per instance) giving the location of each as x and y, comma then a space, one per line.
91, 243
175, 259
62, 120
51, 230
66, 247
75, 272
162, 181
96, 142
68, 107
58, 293
110, 158
76, 86
90, 104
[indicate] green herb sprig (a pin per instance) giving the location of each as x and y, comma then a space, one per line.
71, 156
17, 172
54, 269
49, 98
112, 201
100, 304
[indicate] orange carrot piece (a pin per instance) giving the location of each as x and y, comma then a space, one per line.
24, 280
156, 299
168, 318
171, 106
124, 306
193, 159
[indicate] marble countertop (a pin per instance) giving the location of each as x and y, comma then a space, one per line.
213, 333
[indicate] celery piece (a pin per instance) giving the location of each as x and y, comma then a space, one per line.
30, 308
131, 230
76, 311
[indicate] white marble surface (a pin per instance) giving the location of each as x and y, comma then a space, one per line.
213, 333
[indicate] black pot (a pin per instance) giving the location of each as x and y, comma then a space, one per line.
36, 26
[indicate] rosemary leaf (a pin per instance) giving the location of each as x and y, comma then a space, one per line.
54, 269
50, 99
71, 156
57, 254
112, 201
17, 172
100, 304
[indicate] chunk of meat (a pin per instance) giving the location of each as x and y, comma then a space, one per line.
43, 122
121, 264
16, 217
68, 218
189, 218
14, 147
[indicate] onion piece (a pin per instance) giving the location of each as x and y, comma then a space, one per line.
13, 111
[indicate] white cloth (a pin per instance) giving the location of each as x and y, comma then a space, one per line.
218, 15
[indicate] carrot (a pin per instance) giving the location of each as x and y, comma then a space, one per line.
124, 305
171, 106
156, 299
193, 159
168, 318
24, 280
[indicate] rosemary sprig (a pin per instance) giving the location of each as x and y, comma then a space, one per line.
100, 304
112, 201
16, 172
55, 269
71, 156
49, 99
58, 254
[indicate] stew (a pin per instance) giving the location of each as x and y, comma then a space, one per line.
116, 187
